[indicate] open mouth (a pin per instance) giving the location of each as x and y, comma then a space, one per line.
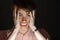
23, 24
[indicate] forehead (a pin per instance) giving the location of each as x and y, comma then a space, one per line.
20, 10
23, 10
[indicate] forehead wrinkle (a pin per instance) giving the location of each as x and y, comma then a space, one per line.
25, 11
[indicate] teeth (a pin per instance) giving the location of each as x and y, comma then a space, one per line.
23, 24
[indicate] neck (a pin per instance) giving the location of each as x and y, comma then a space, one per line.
23, 30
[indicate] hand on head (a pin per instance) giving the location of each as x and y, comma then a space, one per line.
32, 26
17, 22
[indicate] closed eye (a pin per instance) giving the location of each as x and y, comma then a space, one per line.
20, 14
28, 13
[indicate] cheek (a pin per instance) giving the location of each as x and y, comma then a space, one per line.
20, 19
28, 19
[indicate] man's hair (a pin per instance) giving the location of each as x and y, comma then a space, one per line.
26, 4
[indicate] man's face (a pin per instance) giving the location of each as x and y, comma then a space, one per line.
24, 17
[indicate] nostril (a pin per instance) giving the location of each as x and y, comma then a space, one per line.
24, 19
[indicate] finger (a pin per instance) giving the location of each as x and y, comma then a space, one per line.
33, 14
14, 15
31, 20
18, 19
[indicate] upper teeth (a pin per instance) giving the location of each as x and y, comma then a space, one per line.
23, 24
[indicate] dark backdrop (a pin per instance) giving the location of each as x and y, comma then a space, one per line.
45, 16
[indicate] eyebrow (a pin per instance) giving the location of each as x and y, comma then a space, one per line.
19, 13
28, 12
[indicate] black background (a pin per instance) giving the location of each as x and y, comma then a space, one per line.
45, 16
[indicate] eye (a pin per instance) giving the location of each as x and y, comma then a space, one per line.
28, 14
20, 14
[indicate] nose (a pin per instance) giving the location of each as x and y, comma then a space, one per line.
24, 19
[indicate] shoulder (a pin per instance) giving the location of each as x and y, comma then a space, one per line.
44, 33
3, 35
9, 32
